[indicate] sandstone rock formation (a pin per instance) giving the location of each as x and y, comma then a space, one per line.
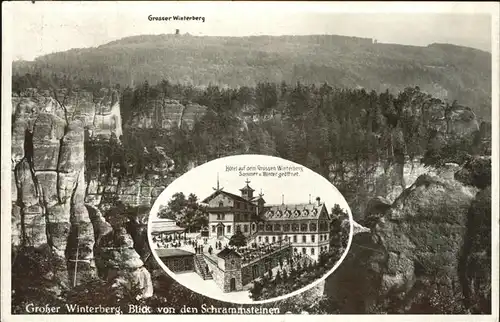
415, 245
49, 213
166, 113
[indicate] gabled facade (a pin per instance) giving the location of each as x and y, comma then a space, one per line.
306, 226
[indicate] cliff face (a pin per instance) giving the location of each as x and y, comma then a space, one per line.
419, 255
69, 214
50, 215
165, 113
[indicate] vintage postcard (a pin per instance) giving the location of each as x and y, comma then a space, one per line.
257, 159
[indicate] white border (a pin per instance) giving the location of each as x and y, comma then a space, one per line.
228, 160
491, 8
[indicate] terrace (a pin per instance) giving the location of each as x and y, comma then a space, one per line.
257, 252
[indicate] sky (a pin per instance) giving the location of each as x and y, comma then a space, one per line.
46, 27
202, 179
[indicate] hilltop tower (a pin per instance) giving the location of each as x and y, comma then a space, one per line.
246, 191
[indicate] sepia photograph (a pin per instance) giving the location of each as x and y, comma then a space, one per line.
247, 246
250, 158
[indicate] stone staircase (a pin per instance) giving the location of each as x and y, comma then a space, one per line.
200, 267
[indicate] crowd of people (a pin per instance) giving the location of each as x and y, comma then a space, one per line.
174, 241
197, 244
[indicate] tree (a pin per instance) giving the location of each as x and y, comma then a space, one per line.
186, 212
177, 203
277, 278
238, 239
166, 213
256, 290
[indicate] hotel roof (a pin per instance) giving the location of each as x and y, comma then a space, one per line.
165, 226
226, 252
230, 195
172, 252
294, 211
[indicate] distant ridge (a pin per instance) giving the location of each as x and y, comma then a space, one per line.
445, 70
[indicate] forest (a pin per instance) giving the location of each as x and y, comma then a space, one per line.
328, 129
455, 72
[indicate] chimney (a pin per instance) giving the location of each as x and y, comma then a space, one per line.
282, 199
309, 198
318, 200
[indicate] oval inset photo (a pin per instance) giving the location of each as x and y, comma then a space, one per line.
250, 229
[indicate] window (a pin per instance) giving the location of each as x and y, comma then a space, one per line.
313, 226
304, 238
303, 227
269, 227
280, 237
261, 227
295, 227
246, 206
229, 229
245, 228
313, 238
286, 227
260, 239
312, 251
236, 204
221, 204
303, 250
238, 228
253, 227
246, 217
277, 227
294, 238
218, 217
267, 239
274, 239
213, 229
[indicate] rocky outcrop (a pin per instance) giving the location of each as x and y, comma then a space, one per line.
48, 170
413, 247
376, 179
121, 264
444, 123
166, 113
50, 214
133, 192
475, 260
